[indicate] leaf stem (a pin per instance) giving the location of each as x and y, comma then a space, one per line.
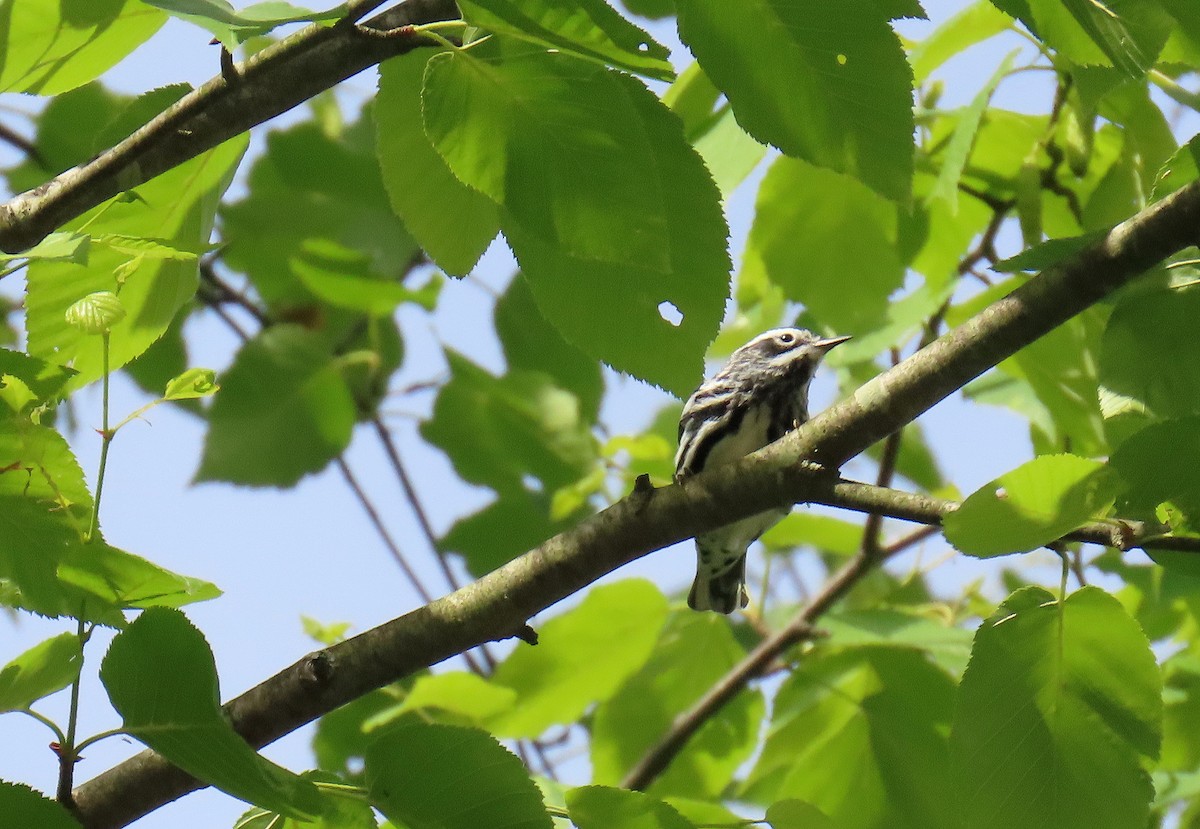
106, 436
95, 738
67, 753
46, 721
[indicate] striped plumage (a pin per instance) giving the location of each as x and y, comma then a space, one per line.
760, 395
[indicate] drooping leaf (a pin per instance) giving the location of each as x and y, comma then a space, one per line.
178, 207
602, 807
654, 325
431, 776
574, 664
589, 29
558, 143
177, 713
946, 644
45, 668
826, 82
50, 48
1055, 712
828, 241
452, 223
284, 410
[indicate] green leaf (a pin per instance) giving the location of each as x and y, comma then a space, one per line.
616, 314
40, 671
193, 383
1047, 254
498, 430
474, 699
948, 645
73, 247
233, 27
531, 343
601, 807
427, 776
822, 532
796, 814
954, 157
574, 663
974, 24
1149, 351
826, 82
1060, 367
559, 143
453, 223
1159, 465
22, 806
327, 183
177, 206
40, 466
1127, 34
45, 379
177, 713
284, 411
589, 29
693, 652
828, 241
50, 48
1056, 710
1033, 505
513, 524
342, 811
861, 735
344, 278
128, 581
136, 113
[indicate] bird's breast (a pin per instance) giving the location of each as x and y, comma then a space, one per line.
751, 435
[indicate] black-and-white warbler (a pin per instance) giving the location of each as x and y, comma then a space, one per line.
760, 395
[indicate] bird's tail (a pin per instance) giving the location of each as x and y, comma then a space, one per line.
723, 592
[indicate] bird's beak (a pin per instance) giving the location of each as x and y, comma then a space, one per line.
826, 344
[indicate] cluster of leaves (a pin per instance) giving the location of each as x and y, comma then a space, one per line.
531, 120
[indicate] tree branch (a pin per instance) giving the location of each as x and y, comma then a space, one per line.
271, 82
499, 604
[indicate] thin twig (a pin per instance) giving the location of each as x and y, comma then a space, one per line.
410, 492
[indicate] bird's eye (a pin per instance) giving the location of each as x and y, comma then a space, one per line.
787, 338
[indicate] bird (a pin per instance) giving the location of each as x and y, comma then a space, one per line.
757, 397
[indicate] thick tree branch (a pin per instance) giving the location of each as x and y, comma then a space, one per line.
498, 605
273, 81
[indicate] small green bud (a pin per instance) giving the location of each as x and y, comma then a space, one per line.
96, 313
